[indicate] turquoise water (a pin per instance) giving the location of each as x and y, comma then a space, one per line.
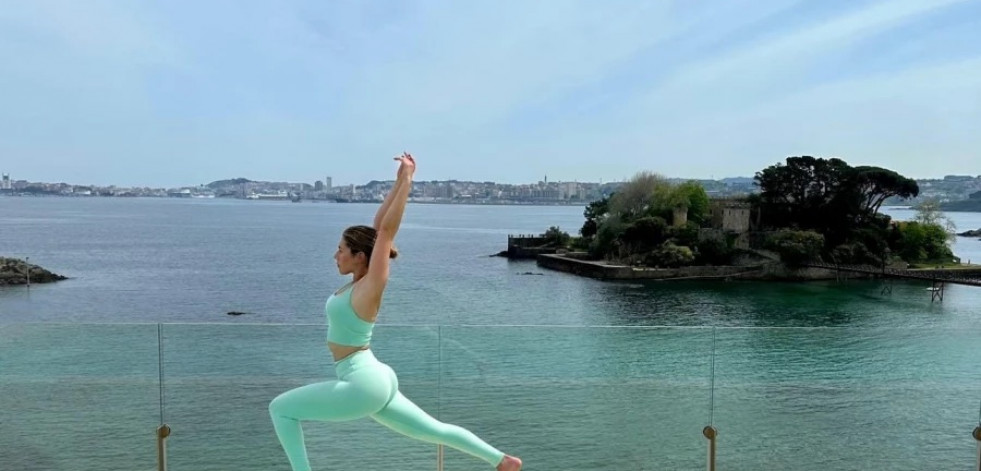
569, 373
90, 396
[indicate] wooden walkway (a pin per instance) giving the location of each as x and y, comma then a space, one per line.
972, 278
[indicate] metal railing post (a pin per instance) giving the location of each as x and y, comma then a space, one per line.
439, 387
977, 437
710, 433
163, 432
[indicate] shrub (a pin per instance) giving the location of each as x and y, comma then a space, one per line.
796, 247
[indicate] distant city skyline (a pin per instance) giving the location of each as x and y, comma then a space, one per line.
328, 183
951, 188
166, 94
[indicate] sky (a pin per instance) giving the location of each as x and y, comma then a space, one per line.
175, 93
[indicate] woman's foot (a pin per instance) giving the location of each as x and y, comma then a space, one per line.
509, 463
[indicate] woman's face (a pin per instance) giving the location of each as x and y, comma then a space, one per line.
347, 262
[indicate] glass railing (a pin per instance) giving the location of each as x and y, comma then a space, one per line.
846, 399
219, 379
82, 396
580, 398
78, 396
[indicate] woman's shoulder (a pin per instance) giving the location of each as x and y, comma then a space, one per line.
347, 288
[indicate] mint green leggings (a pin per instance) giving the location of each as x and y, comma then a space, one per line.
365, 387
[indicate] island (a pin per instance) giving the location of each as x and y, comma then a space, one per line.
809, 212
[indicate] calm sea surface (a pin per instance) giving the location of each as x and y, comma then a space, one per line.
567, 372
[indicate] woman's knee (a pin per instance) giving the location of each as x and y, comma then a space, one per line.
277, 406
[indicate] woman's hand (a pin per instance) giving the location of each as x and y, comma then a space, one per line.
407, 168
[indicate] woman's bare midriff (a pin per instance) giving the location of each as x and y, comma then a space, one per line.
343, 351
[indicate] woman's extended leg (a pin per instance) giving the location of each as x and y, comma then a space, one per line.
403, 416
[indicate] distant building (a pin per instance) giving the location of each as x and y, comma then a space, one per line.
439, 190
571, 190
679, 217
730, 215
328, 184
5, 183
318, 186
958, 178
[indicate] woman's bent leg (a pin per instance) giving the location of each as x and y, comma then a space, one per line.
403, 416
328, 401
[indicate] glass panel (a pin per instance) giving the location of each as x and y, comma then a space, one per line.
219, 380
86, 396
846, 399
594, 398
78, 396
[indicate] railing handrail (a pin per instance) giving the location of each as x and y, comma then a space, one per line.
509, 326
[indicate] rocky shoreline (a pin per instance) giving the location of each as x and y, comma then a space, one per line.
578, 264
15, 272
575, 263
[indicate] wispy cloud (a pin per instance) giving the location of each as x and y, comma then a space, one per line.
180, 92
789, 57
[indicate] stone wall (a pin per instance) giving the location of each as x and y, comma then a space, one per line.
526, 247
526, 240
576, 263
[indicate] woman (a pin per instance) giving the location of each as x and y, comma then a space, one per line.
366, 387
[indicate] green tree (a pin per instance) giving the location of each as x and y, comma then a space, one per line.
607, 244
830, 197
827, 194
594, 213
636, 198
632, 223
875, 185
920, 242
912, 242
666, 199
928, 212
804, 183
808, 193
696, 199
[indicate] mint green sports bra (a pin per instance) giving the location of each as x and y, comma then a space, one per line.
344, 327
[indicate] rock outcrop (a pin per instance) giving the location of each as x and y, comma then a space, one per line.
15, 272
